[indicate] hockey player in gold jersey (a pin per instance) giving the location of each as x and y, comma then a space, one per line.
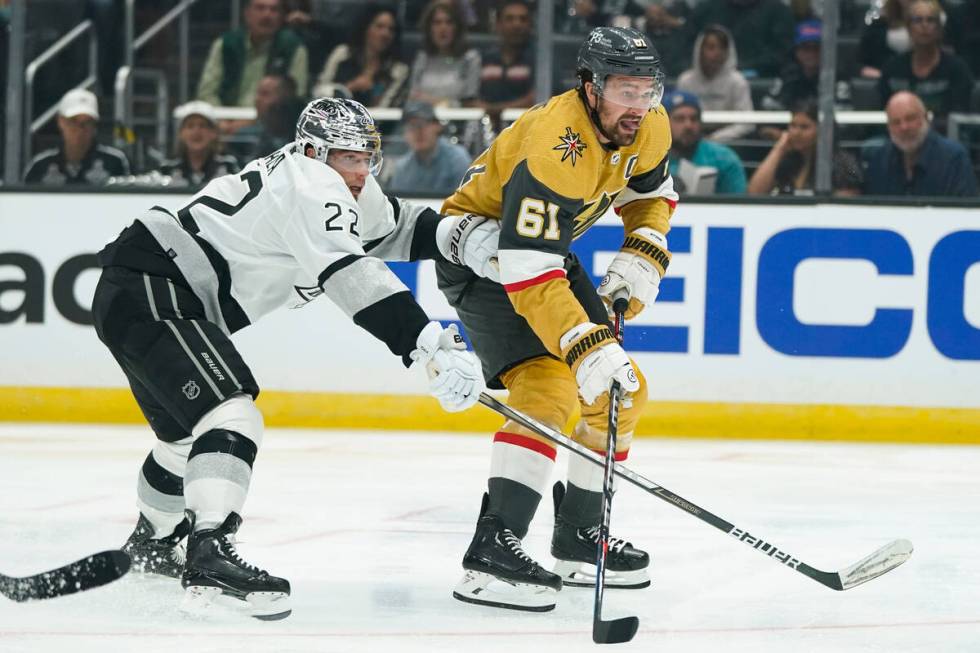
543, 332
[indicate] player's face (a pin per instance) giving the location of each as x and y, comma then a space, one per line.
354, 167
198, 134
623, 104
685, 126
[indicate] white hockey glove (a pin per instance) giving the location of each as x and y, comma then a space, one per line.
471, 241
594, 356
455, 375
638, 267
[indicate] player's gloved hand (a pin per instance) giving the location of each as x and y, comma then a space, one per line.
455, 375
594, 356
471, 241
637, 268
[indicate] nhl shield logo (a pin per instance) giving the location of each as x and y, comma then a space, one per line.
191, 390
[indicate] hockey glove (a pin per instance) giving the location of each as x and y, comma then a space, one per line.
455, 375
637, 268
471, 241
594, 356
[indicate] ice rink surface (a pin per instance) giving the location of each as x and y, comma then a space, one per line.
370, 527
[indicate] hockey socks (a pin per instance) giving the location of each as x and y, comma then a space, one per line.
219, 469
520, 468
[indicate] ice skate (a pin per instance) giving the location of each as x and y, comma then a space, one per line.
162, 556
216, 574
575, 550
500, 574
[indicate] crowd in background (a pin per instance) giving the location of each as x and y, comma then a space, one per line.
918, 60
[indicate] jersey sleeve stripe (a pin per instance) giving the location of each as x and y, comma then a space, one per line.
362, 283
547, 276
336, 267
664, 191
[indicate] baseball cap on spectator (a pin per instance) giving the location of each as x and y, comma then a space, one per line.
678, 98
77, 102
196, 108
419, 110
808, 31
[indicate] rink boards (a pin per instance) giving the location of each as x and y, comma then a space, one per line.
792, 321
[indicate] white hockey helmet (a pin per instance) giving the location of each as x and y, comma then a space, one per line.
338, 124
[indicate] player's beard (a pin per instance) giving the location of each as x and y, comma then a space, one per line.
619, 133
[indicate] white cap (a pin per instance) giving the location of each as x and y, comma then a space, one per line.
196, 108
79, 101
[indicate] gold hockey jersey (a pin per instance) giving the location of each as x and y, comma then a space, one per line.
547, 178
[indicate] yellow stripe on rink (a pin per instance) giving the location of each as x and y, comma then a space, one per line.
409, 412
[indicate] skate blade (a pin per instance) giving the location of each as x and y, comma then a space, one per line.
485, 589
582, 574
203, 601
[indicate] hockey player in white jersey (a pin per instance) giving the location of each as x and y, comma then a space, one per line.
305, 221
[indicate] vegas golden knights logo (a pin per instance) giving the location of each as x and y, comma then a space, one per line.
591, 212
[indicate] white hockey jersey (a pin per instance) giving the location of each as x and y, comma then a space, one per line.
285, 230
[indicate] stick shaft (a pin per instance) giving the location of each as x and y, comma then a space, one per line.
829, 579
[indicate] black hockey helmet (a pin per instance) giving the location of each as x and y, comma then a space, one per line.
618, 51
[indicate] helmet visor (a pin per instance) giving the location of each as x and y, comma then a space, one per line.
355, 161
634, 92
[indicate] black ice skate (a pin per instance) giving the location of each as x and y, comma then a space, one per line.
215, 573
500, 574
575, 550
163, 556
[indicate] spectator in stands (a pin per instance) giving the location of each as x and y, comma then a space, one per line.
368, 65
790, 166
434, 165
507, 72
800, 78
761, 29
714, 78
941, 80
885, 37
198, 152
963, 33
916, 160
688, 145
669, 26
445, 72
277, 108
80, 159
319, 37
239, 58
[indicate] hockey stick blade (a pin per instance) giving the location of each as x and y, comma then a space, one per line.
880, 562
90, 572
615, 631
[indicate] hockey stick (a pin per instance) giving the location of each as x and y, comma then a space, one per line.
94, 571
881, 561
623, 629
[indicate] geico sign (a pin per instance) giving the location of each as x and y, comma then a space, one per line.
776, 321
27, 287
